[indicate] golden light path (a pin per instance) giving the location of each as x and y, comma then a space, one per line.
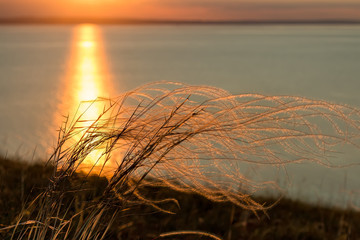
87, 79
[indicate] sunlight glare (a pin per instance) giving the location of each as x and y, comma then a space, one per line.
87, 80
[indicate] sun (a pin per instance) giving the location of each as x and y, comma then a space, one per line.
93, 2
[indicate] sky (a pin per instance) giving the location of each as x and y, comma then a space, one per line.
185, 9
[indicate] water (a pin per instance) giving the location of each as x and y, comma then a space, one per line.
320, 62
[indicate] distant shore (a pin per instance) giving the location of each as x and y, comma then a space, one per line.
120, 21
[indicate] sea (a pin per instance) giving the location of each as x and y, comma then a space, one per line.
42, 67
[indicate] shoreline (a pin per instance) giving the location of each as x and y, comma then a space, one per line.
120, 21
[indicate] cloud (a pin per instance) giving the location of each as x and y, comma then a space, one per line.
188, 9
268, 9
236, 5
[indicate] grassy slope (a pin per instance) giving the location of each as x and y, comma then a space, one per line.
20, 181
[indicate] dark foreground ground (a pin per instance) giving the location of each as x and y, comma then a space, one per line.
21, 182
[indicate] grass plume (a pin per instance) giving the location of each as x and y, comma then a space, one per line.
193, 139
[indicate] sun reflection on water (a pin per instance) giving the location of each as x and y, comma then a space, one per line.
87, 79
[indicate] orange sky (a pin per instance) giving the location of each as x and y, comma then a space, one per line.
185, 9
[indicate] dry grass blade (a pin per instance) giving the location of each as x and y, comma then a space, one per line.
189, 138
192, 233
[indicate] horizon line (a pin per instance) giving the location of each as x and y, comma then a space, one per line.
124, 21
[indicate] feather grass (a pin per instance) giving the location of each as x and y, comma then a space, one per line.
195, 139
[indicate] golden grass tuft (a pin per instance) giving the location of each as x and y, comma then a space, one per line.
195, 139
